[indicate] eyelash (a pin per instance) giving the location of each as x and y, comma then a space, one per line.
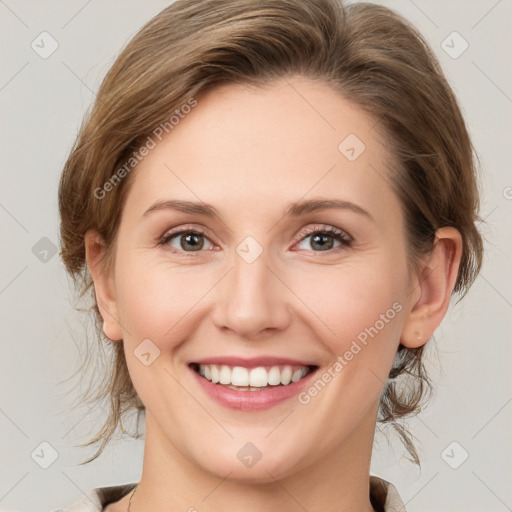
339, 235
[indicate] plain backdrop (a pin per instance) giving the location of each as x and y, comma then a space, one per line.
42, 104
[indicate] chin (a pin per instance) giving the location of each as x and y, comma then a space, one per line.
248, 464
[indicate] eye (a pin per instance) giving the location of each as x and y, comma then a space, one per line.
323, 238
185, 240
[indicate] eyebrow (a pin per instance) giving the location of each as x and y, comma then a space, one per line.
294, 209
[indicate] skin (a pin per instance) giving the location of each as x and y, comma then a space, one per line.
250, 152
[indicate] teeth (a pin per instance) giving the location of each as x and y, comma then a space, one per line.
274, 376
297, 375
259, 377
224, 375
286, 375
239, 376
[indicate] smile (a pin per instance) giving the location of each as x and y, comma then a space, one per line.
252, 379
251, 388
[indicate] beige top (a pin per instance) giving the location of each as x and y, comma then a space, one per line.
383, 496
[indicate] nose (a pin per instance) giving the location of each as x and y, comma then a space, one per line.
252, 300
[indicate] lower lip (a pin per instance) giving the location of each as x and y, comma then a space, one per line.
252, 400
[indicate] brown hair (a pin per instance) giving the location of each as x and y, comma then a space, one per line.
368, 53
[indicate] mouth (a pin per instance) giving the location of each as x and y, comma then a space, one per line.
256, 378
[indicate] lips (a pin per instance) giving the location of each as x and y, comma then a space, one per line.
231, 380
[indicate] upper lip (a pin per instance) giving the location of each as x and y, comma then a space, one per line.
252, 362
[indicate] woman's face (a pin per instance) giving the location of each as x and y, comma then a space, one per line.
262, 283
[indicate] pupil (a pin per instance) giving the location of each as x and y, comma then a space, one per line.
191, 239
324, 245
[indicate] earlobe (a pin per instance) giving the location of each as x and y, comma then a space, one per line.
104, 285
435, 285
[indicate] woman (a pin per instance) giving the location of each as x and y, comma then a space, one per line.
273, 203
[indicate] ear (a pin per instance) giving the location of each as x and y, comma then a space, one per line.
434, 288
104, 285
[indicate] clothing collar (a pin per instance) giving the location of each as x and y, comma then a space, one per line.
384, 497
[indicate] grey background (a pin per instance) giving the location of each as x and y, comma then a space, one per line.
42, 104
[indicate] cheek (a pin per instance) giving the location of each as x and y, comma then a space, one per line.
349, 300
155, 299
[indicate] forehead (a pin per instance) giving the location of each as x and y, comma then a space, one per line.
251, 147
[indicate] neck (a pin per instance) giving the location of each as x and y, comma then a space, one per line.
337, 480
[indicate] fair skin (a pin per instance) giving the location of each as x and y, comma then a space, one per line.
251, 152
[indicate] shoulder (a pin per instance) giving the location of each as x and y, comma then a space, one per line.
95, 500
384, 496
